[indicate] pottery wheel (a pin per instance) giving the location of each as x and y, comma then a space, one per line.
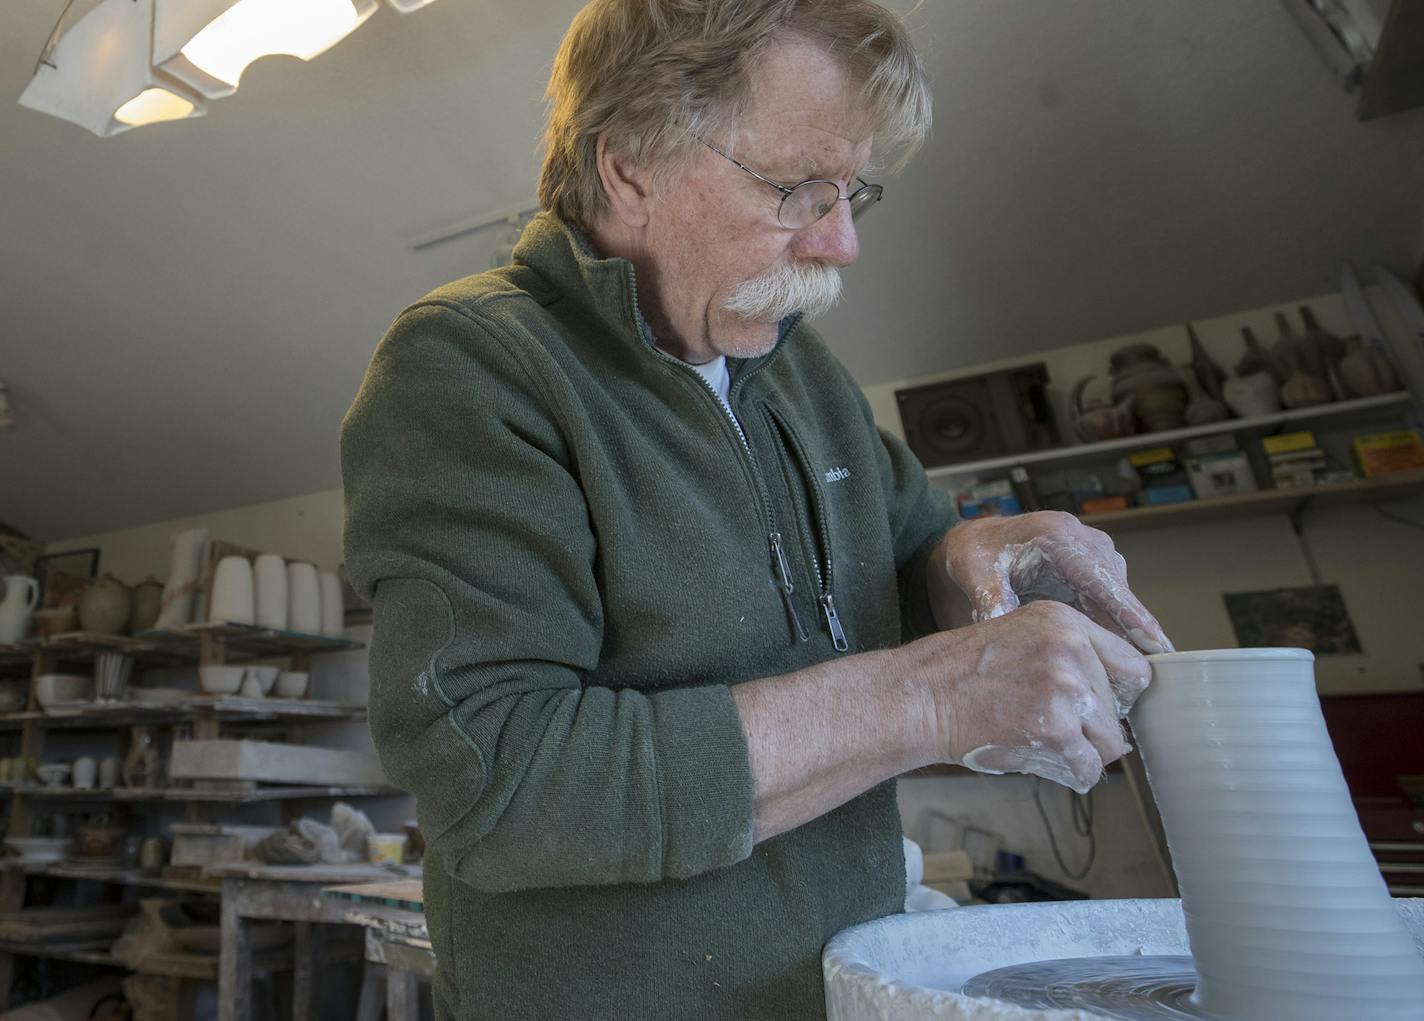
1131, 988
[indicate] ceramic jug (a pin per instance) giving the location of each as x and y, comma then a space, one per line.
1160, 396
104, 606
21, 594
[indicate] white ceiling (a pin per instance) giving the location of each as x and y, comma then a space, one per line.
187, 309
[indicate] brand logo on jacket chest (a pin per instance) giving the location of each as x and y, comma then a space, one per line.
837, 474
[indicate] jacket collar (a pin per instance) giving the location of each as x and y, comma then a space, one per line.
564, 256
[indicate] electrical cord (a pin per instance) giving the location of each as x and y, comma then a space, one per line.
1082, 806
1398, 519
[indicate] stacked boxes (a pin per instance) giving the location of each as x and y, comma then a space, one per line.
1296, 460
1163, 478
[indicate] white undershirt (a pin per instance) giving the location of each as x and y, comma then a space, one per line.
715, 372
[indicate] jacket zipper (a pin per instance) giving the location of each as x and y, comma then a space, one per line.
781, 569
819, 526
781, 572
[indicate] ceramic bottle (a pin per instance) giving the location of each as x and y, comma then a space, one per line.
1303, 365
1202, 408
1366, 371
1209, 375
147, 604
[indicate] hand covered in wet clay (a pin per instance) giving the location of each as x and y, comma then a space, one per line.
1032, 691
1001, 563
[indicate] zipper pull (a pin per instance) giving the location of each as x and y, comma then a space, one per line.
837, 632
787, 586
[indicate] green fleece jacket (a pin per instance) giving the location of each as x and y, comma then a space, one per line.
572, 551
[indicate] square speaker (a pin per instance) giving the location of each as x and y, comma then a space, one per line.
980, 417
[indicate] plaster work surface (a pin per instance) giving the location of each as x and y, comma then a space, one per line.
913, 967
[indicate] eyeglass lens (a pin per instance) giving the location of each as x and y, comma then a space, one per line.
809, 201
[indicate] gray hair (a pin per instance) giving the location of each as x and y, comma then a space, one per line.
654, 76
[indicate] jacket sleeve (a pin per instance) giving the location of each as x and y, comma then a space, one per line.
468, 532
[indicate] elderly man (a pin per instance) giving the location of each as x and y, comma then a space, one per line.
659, 613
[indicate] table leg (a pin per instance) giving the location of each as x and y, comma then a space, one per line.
310, 947
235, 961
402, 995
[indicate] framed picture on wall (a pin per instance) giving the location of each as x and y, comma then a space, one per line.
60, 571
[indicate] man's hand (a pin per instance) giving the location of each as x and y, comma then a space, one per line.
1000, 563
1038, 690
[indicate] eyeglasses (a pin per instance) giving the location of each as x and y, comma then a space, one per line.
809, 201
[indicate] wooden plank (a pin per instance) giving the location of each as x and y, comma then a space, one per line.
272, 762
402, 995
332, 874
307, 960
408, 894
64, 925
234, 965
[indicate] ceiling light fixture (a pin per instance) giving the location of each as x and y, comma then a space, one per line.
407, 6
99, 74
209, 43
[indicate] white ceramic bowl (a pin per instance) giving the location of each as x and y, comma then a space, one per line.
266, 676
292, 683
51, 689
52, 774
39, 849
220, 679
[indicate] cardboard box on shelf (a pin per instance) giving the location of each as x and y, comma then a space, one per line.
1222, 474
1288, 443
1386, 453
1163, 478
995, 498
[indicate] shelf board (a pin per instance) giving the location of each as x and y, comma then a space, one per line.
184, 794
181, 646
226, 708
1338, 414
1266, 501
246, 639
129, 877
15, 655
88, 952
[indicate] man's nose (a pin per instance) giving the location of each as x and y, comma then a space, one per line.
832, 238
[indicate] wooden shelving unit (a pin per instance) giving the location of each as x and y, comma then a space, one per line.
207, 716
1340, 414
1266, 501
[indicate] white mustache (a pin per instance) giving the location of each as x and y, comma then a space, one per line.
810, 288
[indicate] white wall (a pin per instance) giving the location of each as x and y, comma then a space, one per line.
301, 528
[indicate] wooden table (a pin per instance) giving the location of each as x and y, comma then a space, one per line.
392, 914
286, 893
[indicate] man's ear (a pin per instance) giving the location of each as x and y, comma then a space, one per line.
628, 187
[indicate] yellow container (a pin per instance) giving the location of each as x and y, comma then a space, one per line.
386, 848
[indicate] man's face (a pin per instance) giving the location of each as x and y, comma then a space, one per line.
713, 227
